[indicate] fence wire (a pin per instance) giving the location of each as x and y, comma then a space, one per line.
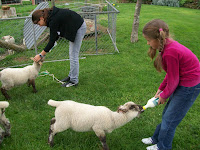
100, 37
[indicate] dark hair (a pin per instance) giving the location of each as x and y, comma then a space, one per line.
41, 13
158, 30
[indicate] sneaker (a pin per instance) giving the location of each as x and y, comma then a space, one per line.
69, 84
147, 140
67, 79
153, 147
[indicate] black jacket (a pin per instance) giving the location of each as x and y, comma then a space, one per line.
64, 23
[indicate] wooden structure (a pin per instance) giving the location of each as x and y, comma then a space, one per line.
7, 12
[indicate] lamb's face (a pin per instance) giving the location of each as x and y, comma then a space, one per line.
130, 106
6, 37
9, 39
39, 63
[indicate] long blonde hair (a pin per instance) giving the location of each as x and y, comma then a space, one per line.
158, 30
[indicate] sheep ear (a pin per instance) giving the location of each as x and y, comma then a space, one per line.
42, 59
32, 58
132, 107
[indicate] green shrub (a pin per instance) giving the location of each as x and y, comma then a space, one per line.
171, 3
182, 2
143, 1
185, 2
27, 2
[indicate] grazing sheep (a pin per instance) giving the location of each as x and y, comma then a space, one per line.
9, 39
11, 77
84, 117
4, 121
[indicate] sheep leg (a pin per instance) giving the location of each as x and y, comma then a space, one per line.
102, 137
4, 92
2, 134
32, 82
51, 132
6, 123
56, 127
103, 142
28, 83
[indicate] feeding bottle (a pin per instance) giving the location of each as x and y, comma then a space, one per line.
151, 103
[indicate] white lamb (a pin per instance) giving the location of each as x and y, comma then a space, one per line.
9, 39
5, 131
84, 117
11, 77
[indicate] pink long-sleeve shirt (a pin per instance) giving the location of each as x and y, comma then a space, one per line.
182, 68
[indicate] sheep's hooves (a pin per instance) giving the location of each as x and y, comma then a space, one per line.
7, 97
35, 91
105, 148
1, 139
50, 144
7, 134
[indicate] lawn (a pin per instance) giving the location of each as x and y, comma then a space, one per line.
108, 80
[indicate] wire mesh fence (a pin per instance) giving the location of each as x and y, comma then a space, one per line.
12, 49
100, 37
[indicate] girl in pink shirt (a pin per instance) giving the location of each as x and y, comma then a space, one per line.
181, 83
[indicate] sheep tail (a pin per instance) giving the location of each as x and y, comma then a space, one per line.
4, 104
54, 103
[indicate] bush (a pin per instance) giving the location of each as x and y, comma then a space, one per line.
143, 1
27, 2
190, 3
182, 2
171, 3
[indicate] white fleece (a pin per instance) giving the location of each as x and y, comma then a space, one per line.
11, 77
84, 117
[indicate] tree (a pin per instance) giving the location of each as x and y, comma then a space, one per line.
134, 33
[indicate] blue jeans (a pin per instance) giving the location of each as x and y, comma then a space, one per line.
175, 110
74, 49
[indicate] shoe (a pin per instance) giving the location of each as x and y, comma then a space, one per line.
67, 79
147, 140
153, 147
69, 84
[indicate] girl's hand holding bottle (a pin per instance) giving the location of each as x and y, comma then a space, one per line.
156, 100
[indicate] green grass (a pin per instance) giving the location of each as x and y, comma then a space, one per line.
108, 80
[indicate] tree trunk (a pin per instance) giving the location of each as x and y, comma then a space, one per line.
11, 46
134, 33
